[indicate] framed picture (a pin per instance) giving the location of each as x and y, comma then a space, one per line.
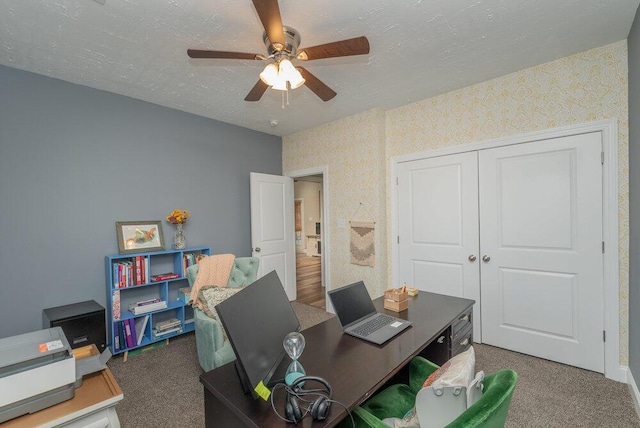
139, 236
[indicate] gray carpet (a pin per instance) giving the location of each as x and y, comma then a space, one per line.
552, 395
161, 387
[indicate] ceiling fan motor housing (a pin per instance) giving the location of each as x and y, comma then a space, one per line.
291, 41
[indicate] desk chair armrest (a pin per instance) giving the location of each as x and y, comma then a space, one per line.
363, 419
492, 408
419, 370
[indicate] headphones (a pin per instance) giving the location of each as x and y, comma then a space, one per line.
318, 409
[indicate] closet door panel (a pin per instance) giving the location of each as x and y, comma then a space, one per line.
438, 227
541, 229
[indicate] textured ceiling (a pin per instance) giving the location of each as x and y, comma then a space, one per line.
419, 49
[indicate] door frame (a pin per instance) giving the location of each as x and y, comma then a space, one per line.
611, 268
324, 230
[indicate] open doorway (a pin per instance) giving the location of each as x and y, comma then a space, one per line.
309, 239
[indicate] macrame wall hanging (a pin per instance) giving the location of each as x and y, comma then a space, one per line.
362, 246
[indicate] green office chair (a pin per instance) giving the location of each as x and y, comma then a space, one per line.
490, 411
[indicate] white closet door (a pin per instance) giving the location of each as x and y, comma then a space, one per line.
438, 227
541, 232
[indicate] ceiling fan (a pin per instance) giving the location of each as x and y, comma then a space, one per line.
282, 47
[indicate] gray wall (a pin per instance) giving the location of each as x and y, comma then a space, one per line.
74, 160
634, 198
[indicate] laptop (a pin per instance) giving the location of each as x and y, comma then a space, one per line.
358, 316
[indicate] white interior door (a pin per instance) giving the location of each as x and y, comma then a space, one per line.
438, 227
272, 227
541, 243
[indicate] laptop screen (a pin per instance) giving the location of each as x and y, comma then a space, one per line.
351, 303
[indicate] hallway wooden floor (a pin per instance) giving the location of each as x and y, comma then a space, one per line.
309, 281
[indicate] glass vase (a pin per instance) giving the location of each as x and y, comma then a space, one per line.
179, 241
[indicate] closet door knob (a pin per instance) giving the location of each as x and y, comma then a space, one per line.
472, 258
257, 250
486, 258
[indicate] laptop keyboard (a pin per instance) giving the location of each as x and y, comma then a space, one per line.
373, 325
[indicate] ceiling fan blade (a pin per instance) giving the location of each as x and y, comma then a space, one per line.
316, 85
355, 46
196, 53
269, 13
257, 91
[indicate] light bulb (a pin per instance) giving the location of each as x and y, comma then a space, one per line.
295, 79
270, 74
286, 67
280, 83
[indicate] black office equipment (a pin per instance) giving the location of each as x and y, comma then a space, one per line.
256, 320
83, 323
358, 316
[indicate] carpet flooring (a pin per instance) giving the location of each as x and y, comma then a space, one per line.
162, 389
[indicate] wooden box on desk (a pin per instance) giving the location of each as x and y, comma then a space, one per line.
396, 300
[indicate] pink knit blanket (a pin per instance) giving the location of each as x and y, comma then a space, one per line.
213, 270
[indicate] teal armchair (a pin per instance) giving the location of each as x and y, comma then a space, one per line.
214, 350
490, 411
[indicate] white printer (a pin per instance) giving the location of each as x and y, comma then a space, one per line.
38, 370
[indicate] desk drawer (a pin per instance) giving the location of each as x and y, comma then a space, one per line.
462, 341
461, 323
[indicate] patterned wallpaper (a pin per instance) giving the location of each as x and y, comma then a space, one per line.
353, 149
588, 86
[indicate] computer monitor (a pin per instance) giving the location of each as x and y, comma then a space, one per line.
256, 320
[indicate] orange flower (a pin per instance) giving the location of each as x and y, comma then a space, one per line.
178, 216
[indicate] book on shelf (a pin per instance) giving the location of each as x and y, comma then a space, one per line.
128, 334
139, 270
139, 310
134, 335
188, 259
121, 336
115, 305
141, 325
164, 276
116, 338
163, 325
127, 273
158, 333
148, 302
145, 270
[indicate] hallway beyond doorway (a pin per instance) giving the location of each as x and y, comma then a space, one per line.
309, 281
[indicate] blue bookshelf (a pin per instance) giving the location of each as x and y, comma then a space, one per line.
129, 282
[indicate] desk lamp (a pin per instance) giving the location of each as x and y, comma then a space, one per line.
294, 345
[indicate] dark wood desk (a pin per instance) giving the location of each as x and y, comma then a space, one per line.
354, 368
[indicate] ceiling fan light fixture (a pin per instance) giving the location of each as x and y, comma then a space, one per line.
280, 84
295, 79
270, 74
285, 67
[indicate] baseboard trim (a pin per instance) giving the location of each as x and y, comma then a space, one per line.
633, 388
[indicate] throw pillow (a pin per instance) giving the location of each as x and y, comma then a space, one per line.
458, 371
210, 295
